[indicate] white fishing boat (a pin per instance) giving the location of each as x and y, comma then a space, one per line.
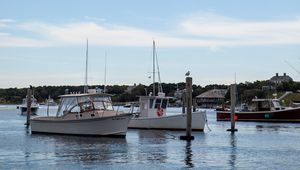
34, 106
84, 114
153, 113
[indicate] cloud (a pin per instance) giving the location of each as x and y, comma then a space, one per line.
237, 32
5, 22
198, 30
6, 40
110, 35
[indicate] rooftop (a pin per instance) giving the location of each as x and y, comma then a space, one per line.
214, 93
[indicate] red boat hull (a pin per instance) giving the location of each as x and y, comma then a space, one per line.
287, 115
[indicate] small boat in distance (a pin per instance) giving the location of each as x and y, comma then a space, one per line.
50, 102
263, 110
84, 114
34, 106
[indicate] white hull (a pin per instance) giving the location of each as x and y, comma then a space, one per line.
34, 110
171, 122
103, 126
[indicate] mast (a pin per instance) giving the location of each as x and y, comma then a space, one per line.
153, 68
85, 90
104, 89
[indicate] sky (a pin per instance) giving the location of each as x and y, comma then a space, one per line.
219, 42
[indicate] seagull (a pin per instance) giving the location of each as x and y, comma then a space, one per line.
187, 73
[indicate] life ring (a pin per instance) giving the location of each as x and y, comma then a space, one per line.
159, 111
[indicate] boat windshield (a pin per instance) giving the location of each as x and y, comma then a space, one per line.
276, 104
81, 104
102, 103
263, 106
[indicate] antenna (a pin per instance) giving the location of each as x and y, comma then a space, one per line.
85, 90
104, 89
234, 77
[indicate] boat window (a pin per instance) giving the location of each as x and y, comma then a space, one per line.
276, 104
164, 103
102, 103
151, 103
65, 105
157, 103
75, 109
82, 99
86, 106
108, 106
263, 106
99, 105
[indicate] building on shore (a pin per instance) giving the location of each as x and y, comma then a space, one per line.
211, 98
277, 79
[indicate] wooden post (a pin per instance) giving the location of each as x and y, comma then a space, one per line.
194, 105
188, 136
48, 108
232, 107
28, 99
183, 101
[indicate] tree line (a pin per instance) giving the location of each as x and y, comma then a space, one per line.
246, 91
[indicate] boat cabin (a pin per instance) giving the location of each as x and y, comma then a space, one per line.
33, 101
266, 105
153, 106
81, 103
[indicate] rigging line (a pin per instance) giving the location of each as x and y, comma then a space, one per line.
292, 66
158, 72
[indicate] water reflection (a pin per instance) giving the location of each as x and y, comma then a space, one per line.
152, 146
274, 128
188, 155
86, 149
233, 152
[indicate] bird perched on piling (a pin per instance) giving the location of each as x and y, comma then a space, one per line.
187, 73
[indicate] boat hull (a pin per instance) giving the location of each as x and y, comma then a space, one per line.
287, 115
33, 110
103, 126
171, 122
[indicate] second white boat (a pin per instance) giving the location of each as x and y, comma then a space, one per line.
153, 115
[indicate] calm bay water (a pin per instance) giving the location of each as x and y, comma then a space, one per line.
254, 146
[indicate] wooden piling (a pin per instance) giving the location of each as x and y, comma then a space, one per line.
188, 136
28, 99
194, 105
232, 107
183, 101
